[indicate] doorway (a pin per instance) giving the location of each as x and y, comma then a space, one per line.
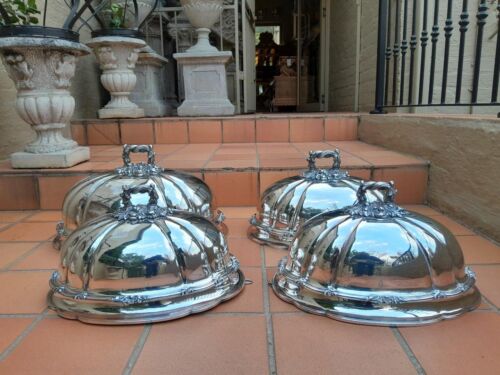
290, 58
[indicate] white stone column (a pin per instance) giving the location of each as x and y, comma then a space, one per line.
149, 93
118, 56
42, 69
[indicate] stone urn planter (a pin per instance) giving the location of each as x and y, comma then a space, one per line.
117, 56
203, 66
42, 69
202, 14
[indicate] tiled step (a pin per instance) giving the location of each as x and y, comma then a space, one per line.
238, 129
237, 173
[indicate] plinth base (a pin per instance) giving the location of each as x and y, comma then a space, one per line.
205, 83
121, 113
60, 159
154, 108
206, 108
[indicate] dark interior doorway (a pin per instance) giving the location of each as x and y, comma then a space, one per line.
288, 40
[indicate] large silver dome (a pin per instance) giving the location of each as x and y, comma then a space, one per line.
376, 263
98, 195
143, 263
290, 202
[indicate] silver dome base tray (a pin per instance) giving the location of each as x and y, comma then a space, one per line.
141, 307
259, 233
377, 310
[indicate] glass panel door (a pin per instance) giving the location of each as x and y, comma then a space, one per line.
309, 41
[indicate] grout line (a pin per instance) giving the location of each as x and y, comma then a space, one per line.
153, 124
29, 270
21, 257
271, 352
406, 348
10, 225
22, 336
17, 316
139, 346
233, 313
483, 264
119, 122
491, 304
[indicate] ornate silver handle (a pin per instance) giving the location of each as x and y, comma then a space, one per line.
313, 155
386, 187
147, 149
142, 189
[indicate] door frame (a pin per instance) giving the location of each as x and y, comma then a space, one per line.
325, 54
324, 78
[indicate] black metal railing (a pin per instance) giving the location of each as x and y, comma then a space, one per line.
408, 76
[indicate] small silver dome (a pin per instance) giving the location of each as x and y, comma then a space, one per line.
143, 263
376, 263
98, 195
290, 202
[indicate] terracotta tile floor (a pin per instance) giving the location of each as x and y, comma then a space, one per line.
255, 333
244, 156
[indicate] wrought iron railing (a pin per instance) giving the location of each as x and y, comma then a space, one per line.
453, 31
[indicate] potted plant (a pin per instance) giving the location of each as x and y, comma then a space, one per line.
116, 44
41, 60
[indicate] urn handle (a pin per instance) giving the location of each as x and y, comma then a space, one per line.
333, 154
385, 187
147, 149
128, 192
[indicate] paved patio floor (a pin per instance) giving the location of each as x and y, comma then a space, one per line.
256, 333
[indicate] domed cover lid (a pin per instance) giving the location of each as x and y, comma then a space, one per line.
290, 202
98, 195
377, 263
143, 263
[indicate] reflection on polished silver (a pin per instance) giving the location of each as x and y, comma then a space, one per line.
98, 195
289, 203
143, 263
376, 263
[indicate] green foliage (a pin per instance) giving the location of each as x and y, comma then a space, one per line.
20, 12
116, 14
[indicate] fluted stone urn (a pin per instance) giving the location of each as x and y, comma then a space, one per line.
42, 69
202, 14
203, 65
117, 57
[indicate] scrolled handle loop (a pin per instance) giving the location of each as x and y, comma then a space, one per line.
128, 192
147, 149
313, 155
386, 187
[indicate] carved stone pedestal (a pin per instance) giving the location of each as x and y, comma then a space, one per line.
42, 69
117, 57
205, 83
150, 91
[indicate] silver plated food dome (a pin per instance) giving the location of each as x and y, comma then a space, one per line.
376, 263
98, 195
143, 263
290, 202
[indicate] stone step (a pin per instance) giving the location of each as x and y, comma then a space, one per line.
236, 172
238, 129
